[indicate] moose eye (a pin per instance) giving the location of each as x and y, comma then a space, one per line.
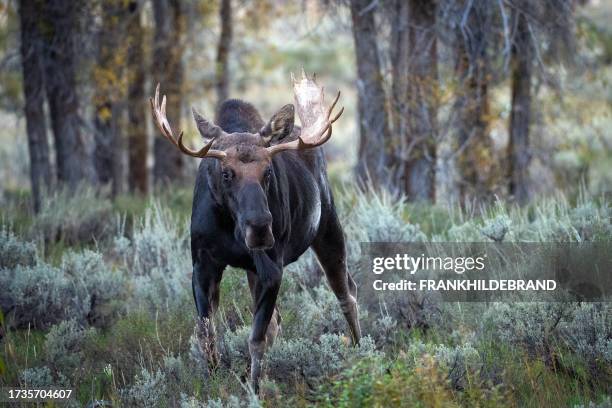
227, 175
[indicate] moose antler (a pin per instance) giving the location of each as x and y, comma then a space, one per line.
316, 120
160, 119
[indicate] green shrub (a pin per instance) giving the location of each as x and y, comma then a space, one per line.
304, 273
375, 216
191, 402
295, 360
139, 289
233, 349
196, 354
589, 335
311, 313
74, 217
496, 228
40, 296
547, 331
605, 403
532, 326
379, 217
106, 288
40, 377
251, 401
458, 362
404, 382
557, 221
82, 287
64, 346
14, 252
173, 383
158, 260
592, 222
149, 390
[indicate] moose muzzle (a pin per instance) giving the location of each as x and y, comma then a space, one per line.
259, 235
256, 218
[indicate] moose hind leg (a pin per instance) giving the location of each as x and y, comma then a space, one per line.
331, 253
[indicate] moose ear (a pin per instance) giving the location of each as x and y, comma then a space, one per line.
280, 126
207, 129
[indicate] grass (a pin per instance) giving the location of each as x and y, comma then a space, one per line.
145, 352
21, 349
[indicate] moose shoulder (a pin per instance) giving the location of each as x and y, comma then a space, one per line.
261, 199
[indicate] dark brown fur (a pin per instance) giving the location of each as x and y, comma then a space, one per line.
260, 213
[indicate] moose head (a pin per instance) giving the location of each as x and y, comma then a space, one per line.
245, 170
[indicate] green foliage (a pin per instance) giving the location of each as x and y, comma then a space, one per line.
461, 362
38, 377
605, 403
405, 382
316, 310
532, 326
41, 296
64, 346
149, 388
233, 349
545, 329
106, 287
157, 256
589, 335
133, 286
74, 217
82, 287
379, 217
297, 360
14, 251
250, 401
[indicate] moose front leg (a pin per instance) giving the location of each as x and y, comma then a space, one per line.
274, 328
205, 283
267, 286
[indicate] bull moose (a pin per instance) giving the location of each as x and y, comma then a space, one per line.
261, 199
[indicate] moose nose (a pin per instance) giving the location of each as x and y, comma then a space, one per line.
258, 234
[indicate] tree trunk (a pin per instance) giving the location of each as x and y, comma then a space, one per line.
423, 102
41, 176
518, 147
168, 71
73, 150
108, 96
477, 168
225, 42
137, 104
372, 107
400, 41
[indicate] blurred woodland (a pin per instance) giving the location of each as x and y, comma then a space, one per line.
447, 101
